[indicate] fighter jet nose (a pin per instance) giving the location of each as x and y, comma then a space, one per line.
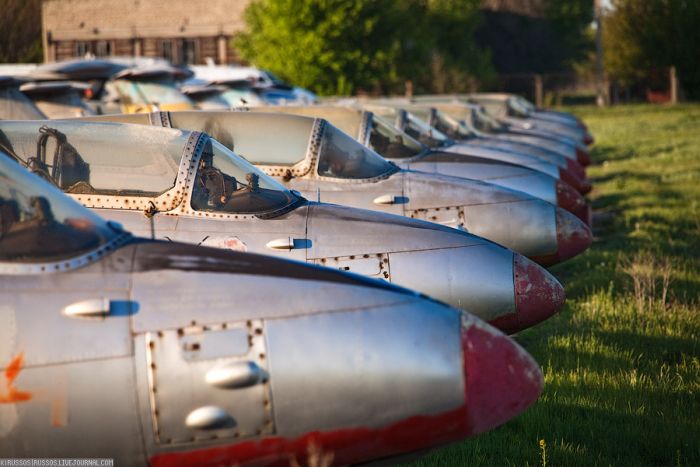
538, 296
571, 200
573, 237
583, 185
576, 168
583, 157
501, 379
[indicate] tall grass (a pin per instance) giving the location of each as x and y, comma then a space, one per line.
622, 361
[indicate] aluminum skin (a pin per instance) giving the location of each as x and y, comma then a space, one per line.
474, 116
420, 130
511, 110
163, 353
362, 125
467, 271
513, 219
459, 132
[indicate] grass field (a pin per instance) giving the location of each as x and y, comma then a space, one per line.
622, 361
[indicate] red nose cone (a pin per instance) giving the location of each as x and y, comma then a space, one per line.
576, 168
571, 200
573, 237
583, 157
582, 185
501, 379
538, 295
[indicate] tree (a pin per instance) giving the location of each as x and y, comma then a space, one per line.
330, 46
341, 47
20, 31
643, 35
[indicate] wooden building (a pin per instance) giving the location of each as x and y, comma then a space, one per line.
183, 31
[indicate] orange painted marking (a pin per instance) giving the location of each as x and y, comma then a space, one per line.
9, 394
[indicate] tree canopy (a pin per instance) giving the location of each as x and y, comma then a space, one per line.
643, 35
341, 47
20, 31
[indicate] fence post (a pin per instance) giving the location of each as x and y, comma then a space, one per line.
539, 92
673, 78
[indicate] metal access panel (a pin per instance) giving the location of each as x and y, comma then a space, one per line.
208, 382
376, 265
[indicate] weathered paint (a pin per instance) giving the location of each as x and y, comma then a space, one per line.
535, 292
571, 200
573, 237
9, 394
508, 366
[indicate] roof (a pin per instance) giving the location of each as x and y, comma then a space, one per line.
126, 19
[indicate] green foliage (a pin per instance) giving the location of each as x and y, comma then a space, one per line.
650, 34
20, 31
571, 20
341, 47
622, 361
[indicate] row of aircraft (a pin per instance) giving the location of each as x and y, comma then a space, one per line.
326, 283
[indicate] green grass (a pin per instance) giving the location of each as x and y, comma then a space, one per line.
621, 365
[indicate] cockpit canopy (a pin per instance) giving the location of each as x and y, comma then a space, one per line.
341, 156
370, 129
39, 224
283, 140
117, 160
391, 142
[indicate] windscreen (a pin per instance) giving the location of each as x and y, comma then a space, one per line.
227, 183
39, 224
484, 122
340, 156
150, 92
516, 108
450, 126
390, 142
424, 133
101, 158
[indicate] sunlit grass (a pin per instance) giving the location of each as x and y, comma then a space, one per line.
621, 363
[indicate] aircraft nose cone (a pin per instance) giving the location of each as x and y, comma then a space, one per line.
501, 379
576, 168
538, 296
583, 157
571, 200
573, 237
583, 185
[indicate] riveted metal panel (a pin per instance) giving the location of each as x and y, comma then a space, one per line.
364, 376
376, 266
177, 362
336, 231
478, 279
166, 201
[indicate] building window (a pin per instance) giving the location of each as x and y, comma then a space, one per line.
166, 50
82, 49
188, 51
103, 48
